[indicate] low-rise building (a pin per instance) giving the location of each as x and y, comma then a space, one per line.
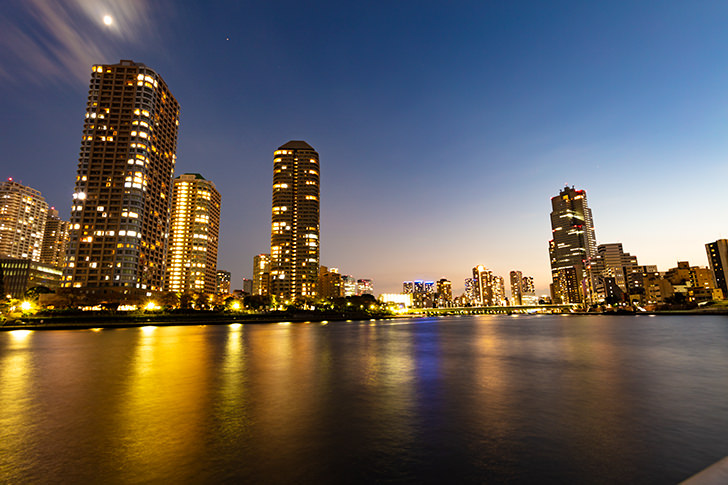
19, 275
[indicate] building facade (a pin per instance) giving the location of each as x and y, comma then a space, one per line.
193, 235
294, 250
364, 287
330, 284
528, 286
444, 292
471, 291
23, 215
489, 289
223, 279
612, 262
424, 293
19, 275
516, 288
55, 240
261, 274
718, 259
348, 284
121, 202
572, 248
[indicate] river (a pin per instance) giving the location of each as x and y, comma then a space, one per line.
471, 399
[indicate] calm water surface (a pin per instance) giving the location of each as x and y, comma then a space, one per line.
531, 399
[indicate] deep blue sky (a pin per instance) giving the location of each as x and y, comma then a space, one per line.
443, 127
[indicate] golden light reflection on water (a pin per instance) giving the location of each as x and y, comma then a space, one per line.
166, 399
233, 400
16, 423
19, 335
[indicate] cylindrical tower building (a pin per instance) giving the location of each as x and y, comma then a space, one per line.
294, 252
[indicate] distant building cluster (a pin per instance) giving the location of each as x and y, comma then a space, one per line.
483, 289
586, 273
333, 284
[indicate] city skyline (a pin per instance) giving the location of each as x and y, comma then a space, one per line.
623, 101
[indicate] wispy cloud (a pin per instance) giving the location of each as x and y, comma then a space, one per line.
58, 41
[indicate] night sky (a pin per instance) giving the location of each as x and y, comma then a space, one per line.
443, 127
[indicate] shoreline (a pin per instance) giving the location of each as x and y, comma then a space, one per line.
83, 322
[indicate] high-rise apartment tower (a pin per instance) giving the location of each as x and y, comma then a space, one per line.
484, 285
55, 240
261, 274
23, 215
516, 288
120, 208
573, 246
193, 235
294, 248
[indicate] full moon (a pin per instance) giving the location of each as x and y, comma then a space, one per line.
108, 20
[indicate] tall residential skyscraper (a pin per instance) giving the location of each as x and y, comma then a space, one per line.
23, 215
261, 274
529, 288
487, 287
444, 292
573, 246
55, 240
193, 235
516, 288
528, 291
718, 259
294, 247
120, 209
471, 291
